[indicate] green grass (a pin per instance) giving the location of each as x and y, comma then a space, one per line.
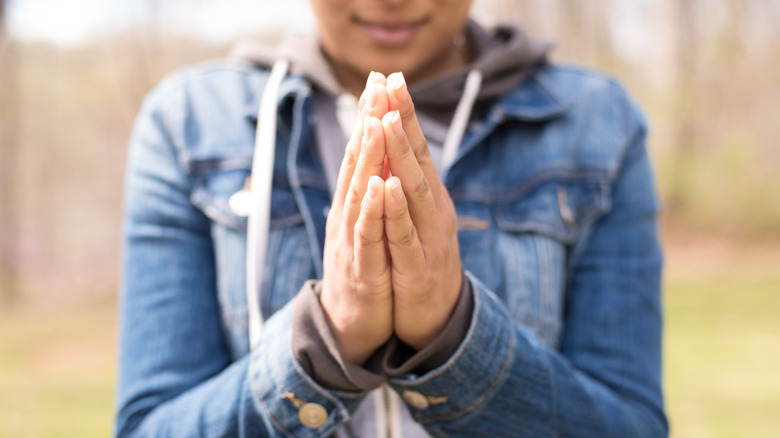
57, 373
722, 352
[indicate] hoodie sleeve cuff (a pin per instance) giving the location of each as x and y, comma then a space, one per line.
400, 359
316, 349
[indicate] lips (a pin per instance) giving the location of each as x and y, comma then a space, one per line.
390, 33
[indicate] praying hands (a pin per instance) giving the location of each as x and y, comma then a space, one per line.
391, 262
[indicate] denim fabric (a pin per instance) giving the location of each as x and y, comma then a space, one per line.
557, 230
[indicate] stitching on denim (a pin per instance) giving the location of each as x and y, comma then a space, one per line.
554, 401
211, 206
307, 380
540, 229
295, 141
502, 372
234, 318
545, 89
478, 401
461, 350
176, 118
273, 420
256, 390
567, 173
223, 163
545, 327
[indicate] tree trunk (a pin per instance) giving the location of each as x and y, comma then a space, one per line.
9, 120
685, 124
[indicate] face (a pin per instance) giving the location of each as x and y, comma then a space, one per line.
412, 36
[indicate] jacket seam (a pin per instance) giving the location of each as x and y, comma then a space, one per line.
459, 353
529, 184
256, 390
305, 379
273, 420
488, 390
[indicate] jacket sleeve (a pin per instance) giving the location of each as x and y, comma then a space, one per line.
176, 374
605, 378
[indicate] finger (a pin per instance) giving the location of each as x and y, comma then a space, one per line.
416, 186
376, 102
403, 241
369, 163
385, 169
375, 87
399, 99
369, 233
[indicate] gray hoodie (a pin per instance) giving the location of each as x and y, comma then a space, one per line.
505, 55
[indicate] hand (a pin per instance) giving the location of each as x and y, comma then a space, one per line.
357, 292
420, 225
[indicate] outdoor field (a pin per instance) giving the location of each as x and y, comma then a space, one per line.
57, 366
704, 73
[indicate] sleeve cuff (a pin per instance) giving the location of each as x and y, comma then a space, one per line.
316, 349
286, 397
451, 390
400, 359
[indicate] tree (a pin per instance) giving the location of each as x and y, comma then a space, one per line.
686, 25
8, 161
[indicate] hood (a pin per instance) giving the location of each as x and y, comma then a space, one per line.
505, 55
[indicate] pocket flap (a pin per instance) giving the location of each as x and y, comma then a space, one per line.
213, 190
556, 207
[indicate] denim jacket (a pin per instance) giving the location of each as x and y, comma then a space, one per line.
557, 231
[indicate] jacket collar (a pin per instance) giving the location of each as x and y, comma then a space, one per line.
291, 86
534, 100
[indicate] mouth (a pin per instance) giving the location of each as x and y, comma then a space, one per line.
390, 33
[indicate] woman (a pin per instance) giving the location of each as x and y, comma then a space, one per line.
519, 296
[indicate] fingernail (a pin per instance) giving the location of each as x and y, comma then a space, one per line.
375, 76
397, 83
395, 123
366, 129
362, 101
395, 188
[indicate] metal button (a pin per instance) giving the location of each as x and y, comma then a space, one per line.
416, 400
241, 202
312, 415
566, 214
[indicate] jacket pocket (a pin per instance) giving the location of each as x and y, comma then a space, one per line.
212, 192
214, 183
522, 256
558, 208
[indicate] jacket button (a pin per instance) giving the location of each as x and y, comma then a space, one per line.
241, 203
312, 415
416, 400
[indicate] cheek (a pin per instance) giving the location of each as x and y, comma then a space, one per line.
334, 28
330, 16
455, 11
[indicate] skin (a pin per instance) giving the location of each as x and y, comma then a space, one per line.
391, 261
345, 33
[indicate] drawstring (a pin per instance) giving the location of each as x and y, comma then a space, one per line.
262, 178
460, 119
260, 189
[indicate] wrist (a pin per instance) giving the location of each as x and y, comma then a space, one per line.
357, 336
427, 320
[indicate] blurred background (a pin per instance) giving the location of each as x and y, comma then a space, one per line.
72, 77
